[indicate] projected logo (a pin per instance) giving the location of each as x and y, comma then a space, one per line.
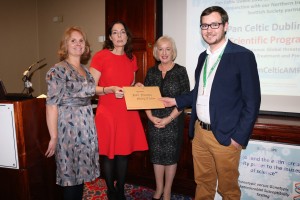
297, 190
297, 187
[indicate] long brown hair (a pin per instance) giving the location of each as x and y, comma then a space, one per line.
108, 44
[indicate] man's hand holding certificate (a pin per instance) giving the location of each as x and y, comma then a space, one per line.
142, 98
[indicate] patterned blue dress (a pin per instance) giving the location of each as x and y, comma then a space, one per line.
77, 157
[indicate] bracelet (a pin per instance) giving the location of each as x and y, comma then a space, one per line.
103, 90
171, 118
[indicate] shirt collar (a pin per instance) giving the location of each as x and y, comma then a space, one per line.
219, 50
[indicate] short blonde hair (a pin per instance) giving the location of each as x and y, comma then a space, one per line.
168, 39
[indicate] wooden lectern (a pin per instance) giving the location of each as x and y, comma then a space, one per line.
35, 176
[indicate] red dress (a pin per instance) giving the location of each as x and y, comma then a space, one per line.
120, 132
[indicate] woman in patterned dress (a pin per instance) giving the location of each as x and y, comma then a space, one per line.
70, 117
165, 126
120, 131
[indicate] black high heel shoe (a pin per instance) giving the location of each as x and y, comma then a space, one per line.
159, 197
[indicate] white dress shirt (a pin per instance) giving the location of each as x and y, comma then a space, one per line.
202, 106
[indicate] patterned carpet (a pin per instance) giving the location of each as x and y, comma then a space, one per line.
97, 191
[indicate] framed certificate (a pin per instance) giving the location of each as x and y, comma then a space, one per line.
138, 98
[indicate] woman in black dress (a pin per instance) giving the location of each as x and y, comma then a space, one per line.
165, 126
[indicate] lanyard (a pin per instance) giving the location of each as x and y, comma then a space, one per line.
211, 70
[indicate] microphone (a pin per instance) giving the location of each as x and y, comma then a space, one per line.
25, 73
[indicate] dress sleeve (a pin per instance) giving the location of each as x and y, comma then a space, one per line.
56, 83
184, 81
98, 59
147, 79
150, 76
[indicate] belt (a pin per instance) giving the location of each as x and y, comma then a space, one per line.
205, 126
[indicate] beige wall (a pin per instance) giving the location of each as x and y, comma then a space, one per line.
19, 42
28, 34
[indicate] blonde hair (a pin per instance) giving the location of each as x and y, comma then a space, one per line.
162, 39
63, 49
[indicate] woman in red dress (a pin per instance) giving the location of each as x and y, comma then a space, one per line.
120, 132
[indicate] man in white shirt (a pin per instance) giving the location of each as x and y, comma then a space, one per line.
225, 103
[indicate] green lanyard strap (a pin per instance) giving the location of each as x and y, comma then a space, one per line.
211, 70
